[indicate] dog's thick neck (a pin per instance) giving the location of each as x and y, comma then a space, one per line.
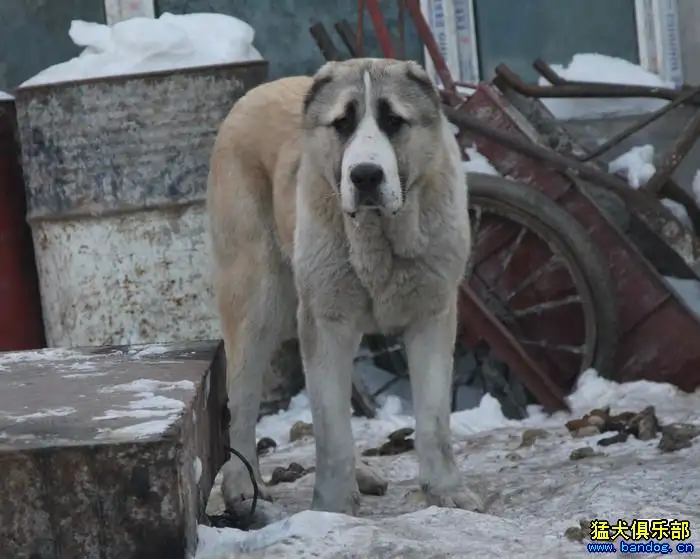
400, 233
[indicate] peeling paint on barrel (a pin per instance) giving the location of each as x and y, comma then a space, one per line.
116, 174
134, 278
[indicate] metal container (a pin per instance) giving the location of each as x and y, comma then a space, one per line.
116, 173
21, 326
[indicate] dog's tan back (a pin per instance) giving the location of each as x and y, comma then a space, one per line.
260, 140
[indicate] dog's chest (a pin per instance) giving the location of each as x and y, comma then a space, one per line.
398, 288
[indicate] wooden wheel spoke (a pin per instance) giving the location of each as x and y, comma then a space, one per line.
543, 344
510, 252
551, 265
546, 305
475, 226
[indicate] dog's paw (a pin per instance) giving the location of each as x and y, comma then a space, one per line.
336, 501
454, 496
236, 485
369, 480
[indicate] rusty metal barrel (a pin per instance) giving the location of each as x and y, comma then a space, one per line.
116, 174
21, 325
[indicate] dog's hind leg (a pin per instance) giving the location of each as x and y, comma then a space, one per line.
257, 305
429, 346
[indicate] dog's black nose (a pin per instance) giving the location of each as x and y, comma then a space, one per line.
367, 176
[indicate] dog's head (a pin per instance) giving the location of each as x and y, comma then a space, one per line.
372, 126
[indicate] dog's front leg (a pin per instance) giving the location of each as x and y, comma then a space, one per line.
328, 348
429, 347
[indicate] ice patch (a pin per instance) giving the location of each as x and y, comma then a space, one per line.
600, 68
137, 431
141, 45
149, 385
41, 414
4, 96
149, 351
49, 354
147, 405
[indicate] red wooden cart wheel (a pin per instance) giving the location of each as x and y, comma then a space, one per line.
538, 271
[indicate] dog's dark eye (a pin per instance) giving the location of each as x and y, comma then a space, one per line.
388, 120
345, 125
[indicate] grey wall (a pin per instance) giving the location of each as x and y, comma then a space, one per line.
282, 27
34, 35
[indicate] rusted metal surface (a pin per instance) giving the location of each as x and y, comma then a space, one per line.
116, 174
495, 119
584, 90
21, 325
109, 454
645, 300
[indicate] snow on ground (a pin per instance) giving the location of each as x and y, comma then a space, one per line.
6, 96
696, 187
600, 68
140, 45
535, 491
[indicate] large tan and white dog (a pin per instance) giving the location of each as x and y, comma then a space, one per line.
338, 207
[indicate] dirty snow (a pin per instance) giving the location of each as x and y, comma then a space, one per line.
137, 431
149, 351
41, 414
535, 492
48, 354
600, 68
149, 385
140, 45
637, 166
4, 96
478, 163
146, 405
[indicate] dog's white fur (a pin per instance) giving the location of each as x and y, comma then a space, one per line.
296, 255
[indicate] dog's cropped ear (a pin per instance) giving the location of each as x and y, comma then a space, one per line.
420, 77
321, 79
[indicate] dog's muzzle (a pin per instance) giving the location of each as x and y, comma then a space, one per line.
367, 178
